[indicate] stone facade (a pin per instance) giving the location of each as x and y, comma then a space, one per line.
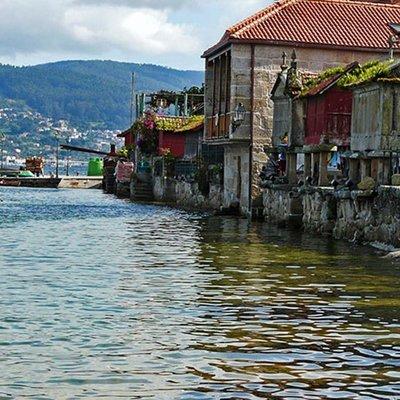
255, 133
186, 194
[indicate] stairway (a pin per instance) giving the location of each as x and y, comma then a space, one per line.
142, 191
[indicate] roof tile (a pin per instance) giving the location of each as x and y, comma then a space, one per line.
324, 23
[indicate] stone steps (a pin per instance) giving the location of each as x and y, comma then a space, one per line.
142, 191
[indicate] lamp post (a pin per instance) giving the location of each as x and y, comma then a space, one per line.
239, 117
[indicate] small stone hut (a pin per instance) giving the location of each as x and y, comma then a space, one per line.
375, 129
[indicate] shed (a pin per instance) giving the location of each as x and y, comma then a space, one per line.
376, 104
375, 128
128, 136
328, 110
181, 135
288, 116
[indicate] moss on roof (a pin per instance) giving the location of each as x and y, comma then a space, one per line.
316, 80
179, 124
193, 122
371, 71
368, 72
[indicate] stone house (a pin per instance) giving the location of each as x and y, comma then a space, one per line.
241, 70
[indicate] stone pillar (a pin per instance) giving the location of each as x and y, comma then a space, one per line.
383, 171
374, 169
365, 168
323, 179
291, 168
315, 167
307, 165
354, 175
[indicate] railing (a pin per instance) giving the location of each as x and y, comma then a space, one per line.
185, 169
217, 127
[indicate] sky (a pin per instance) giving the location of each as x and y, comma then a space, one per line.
165, 32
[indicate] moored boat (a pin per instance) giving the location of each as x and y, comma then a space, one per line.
51, 183
10, 182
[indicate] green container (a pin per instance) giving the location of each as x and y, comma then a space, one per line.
95, 167
26, 174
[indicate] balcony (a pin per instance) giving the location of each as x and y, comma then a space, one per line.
218, 127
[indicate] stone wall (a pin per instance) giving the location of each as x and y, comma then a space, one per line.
361, 216
277, 205
319, 210
370, 217
186, 194
283, 205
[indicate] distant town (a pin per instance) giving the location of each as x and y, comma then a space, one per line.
33, 134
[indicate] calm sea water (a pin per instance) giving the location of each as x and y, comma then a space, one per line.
104, 299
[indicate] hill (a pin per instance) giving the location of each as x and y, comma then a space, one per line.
88, 93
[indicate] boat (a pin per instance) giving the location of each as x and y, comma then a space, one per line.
49, 183
10, 182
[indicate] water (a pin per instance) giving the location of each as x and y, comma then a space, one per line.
103, 299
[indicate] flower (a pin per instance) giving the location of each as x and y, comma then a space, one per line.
165, 152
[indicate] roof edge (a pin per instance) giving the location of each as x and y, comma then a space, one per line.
212, 50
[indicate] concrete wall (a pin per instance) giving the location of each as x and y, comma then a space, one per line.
186, 194
362, 216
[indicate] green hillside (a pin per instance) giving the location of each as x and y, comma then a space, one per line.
88, 92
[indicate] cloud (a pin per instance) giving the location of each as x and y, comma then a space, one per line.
101, 29
154, 4
172, 32
106, 28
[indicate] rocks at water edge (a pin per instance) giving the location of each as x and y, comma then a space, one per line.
395, 255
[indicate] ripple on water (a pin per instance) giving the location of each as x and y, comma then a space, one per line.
101, 298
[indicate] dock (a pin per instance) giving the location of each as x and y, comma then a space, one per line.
64, 182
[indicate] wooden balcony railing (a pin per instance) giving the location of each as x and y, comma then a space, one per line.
217, 127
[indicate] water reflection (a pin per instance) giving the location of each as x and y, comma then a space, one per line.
105, 299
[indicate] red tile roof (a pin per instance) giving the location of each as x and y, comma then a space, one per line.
317, 23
